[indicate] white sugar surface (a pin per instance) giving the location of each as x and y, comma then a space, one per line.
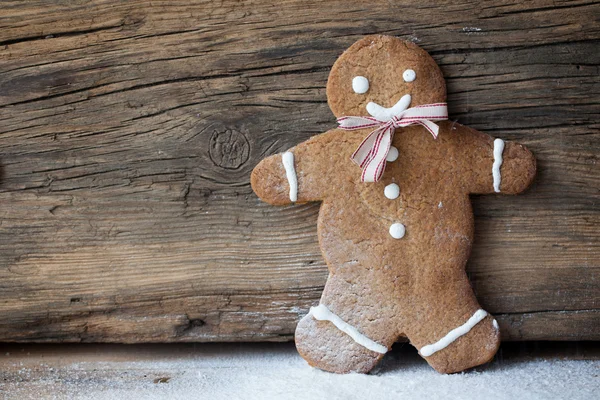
245, 371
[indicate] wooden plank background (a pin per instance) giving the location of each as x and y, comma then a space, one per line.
128, 131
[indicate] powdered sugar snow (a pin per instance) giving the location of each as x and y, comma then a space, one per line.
276, 371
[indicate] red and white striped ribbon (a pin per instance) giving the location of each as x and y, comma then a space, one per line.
373, 150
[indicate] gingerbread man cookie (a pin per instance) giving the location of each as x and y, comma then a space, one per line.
395, 224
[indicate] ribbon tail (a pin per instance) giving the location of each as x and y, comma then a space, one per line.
432, 127
374, 167
364, 152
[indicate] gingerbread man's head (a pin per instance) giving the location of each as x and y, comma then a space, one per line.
382, 76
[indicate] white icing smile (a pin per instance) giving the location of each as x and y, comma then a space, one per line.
385, 114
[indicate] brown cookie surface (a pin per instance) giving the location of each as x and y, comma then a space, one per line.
396, 249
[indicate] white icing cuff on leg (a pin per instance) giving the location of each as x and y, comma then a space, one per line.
322, 313
454, 334
288, 163
498, 149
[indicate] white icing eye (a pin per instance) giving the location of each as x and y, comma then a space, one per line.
360, 84
409, 75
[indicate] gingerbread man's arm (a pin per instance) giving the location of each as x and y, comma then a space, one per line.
299, 175
495, 166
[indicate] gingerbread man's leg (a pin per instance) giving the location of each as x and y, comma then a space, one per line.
452, 332
334, 335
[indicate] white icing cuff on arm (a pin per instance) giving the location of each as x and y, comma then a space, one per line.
288, 163
322, 313
498, 149
454, 334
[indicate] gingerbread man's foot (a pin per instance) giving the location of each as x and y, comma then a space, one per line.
323, 345
469, 345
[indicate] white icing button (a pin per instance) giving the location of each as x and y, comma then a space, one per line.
360, 84
392, 191
409, 75
397, 230
392, 154
495, 323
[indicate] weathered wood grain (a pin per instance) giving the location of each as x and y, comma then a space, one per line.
128, 131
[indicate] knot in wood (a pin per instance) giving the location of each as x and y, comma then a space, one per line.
229, 149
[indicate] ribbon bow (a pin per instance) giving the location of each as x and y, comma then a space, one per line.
372, 152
